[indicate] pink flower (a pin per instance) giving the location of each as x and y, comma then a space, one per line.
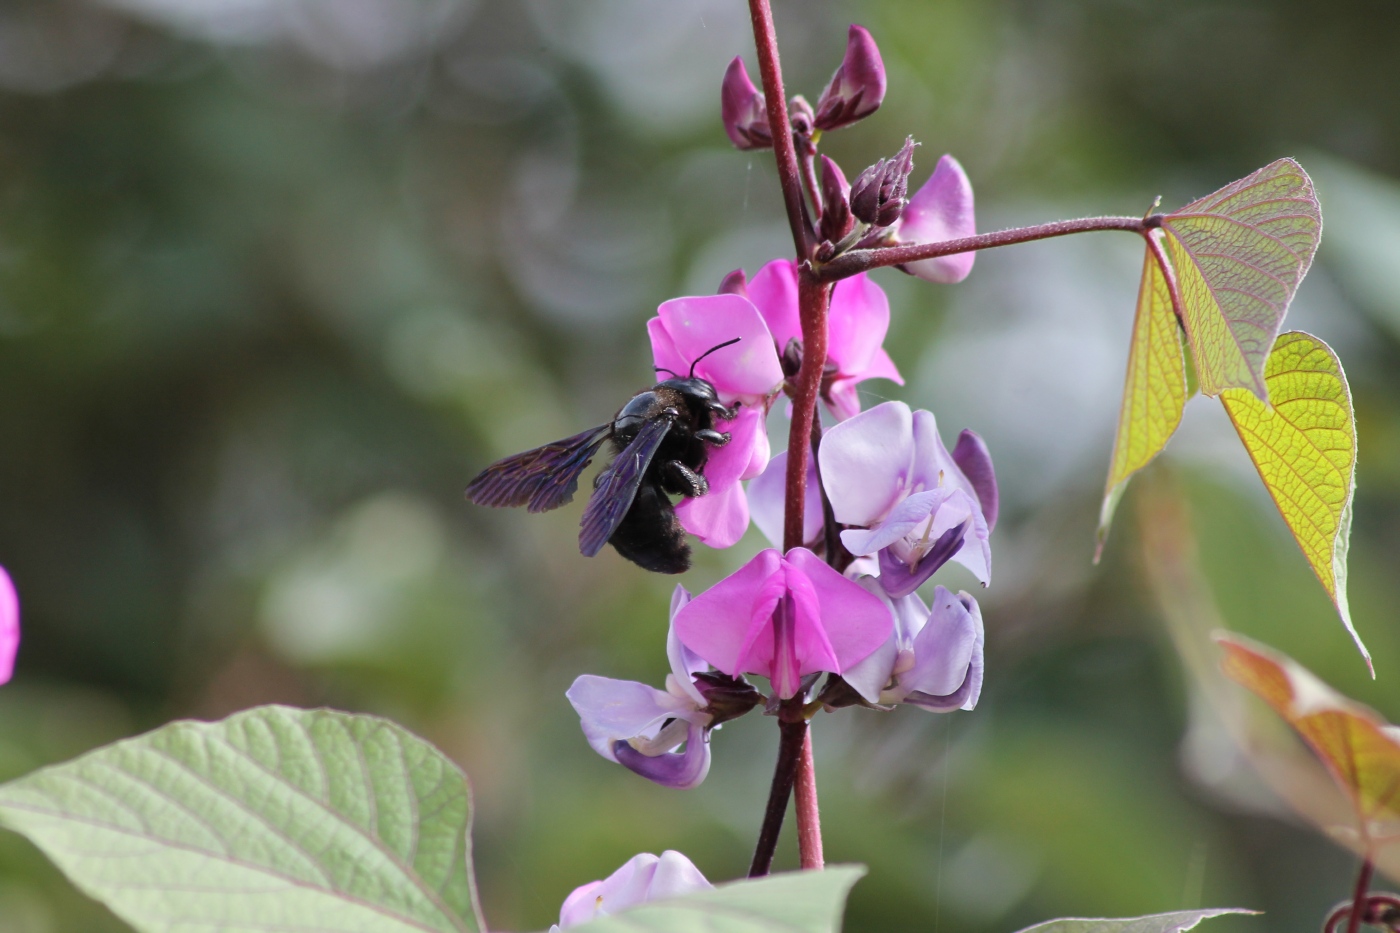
783, 617
9, 626
940, 210
858, 319
643, 878
747, 373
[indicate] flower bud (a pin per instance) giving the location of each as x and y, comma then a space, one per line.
735, 283
858, 86
743, 109
801, 116
836, 219
880, 192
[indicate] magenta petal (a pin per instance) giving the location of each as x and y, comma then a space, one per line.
774, 292
859, 319
9, 626
972, 456
854, 621
843, 399
748, 369
617, 710
941, 210
715, 624
767, 500
866, 463
680, 770
882, 367
720, 517
664, 354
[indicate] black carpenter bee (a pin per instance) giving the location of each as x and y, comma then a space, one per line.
661, 439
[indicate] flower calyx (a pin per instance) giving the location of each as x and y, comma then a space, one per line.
880, 193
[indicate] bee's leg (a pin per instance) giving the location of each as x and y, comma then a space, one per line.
712, 437
678, 478
726, 414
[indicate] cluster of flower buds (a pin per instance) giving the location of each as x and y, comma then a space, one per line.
9, 626
876, 208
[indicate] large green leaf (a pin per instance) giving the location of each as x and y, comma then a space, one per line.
1303, 442
797, 902
1154, 391
1239, 255
272, 819
1155, 923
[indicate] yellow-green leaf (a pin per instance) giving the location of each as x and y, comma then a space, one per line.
1303, 442
1239, 255
1154, 392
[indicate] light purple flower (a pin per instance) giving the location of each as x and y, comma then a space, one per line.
888, 474
768, 501
743, 109
941, 210
639, 727
747, 373
858, 86
783, 617
643, 878
932, 659
9, 626
858, 319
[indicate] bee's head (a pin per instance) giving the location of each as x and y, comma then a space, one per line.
694, 387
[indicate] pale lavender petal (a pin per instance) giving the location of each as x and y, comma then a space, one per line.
866, 463
581, 906
767, 501
972, 456
870, 675
941, 210
685, 664
720, 517
774, 292
854, 621
905, 519
976, 552
859, 319
679, 770
9, 626
617, 710
715, 624
676, 876
949, 655
933, 465
749, 369
900, 580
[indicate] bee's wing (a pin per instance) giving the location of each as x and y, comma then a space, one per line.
540, 479
617, 486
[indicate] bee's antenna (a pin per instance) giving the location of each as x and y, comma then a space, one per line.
718, 346
663, 369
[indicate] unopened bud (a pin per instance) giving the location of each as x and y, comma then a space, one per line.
801, 116
880, 192
735, 283
726, 697
837, 220
743, 109
858, 86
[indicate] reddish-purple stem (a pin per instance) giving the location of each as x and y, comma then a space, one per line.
1358, 898
863, 260
789, 177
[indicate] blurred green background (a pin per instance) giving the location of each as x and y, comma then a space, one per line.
277, 277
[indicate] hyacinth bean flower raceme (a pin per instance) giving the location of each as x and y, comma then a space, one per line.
9, 626
933, 659
940, 210
859, 318
748, 374
911, 503
639, 726
645, 877
784, 617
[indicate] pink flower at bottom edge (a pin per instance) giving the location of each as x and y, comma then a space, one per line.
642, 878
